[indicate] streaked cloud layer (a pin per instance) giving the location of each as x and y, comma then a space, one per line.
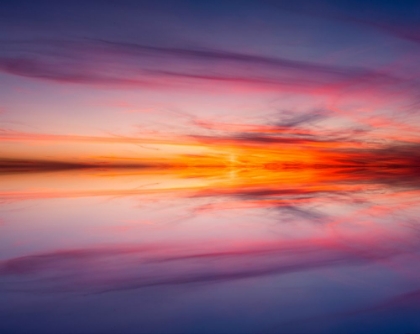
209, 166
365, 86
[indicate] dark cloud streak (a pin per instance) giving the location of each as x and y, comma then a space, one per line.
109, 269
91, 62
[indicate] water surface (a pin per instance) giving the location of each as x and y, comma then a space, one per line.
204, 251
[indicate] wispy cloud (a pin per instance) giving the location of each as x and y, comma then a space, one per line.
122, 64
139, 267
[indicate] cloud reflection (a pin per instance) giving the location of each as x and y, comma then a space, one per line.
121, 268
371, 196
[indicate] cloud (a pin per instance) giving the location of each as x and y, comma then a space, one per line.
39, 69
11, 135
134, 267
123, 64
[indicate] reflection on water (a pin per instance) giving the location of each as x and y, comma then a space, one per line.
210, 250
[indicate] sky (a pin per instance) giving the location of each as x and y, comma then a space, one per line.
174, 83
209, 166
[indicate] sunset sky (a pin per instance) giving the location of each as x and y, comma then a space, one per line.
189, 166
210, 83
